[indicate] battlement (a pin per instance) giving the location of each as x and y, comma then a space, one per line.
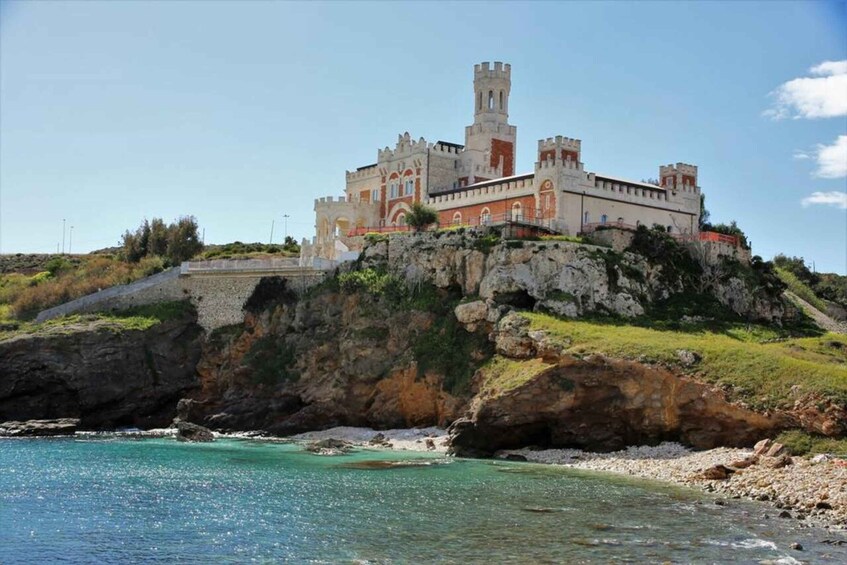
363, 172
500, 70
405, 146
681, 176
323, 200
565, 164
446, 149
521, 185
560, 142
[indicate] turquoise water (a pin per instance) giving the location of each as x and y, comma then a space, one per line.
156, 500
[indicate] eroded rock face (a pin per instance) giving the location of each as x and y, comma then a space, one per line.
350, 362
605, 405
102, 377
31, 428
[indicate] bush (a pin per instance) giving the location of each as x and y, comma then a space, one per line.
271, 361
659, 248
420, 216
447, 349
802, 443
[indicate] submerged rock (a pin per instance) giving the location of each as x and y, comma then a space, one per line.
32, 428
329, 446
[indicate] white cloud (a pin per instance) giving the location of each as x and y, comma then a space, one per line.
832, 159
828, 68
834, 198
823, 96
801, 155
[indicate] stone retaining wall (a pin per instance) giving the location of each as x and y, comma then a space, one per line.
219, 295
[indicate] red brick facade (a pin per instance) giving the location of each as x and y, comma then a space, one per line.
496, 210
506, 150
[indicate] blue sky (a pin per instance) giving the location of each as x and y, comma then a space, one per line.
240, 113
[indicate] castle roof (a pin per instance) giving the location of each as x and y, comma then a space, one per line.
631, 182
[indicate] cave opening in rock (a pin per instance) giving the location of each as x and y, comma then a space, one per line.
520, 299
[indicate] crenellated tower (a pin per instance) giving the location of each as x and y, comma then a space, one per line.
490, 141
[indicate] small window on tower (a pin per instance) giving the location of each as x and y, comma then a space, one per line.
501, 99
375, 195
479, 105
490, 99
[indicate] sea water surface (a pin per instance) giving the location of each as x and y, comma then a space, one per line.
124, 500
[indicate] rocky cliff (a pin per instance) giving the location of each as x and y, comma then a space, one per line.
336, 357
536, 394
105, 375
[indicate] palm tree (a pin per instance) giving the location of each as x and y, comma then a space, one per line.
420, 216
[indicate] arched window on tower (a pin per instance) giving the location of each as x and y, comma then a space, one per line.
479, 106
603, 219
501, 100
490, 99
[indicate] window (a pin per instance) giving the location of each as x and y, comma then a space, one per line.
410, 186
375, 195
620, 220
585, 218
516, 212
401, 220
479, 106
501, 99
490, 99
670, 229
485, 217
603, 219
393, 190
457, 218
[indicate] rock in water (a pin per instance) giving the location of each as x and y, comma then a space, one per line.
57, 427
186, 431
329, 446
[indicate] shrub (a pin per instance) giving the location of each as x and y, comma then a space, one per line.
271, 360
420, 216
447, 349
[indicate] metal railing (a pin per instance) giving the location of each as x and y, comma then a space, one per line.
701, 236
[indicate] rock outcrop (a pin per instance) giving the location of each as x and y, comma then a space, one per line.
104, 376
32, 428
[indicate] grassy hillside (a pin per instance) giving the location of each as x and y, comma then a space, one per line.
138, 318
755, 365
801, 289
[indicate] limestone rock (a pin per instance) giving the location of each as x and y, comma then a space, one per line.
471, 314
775, 450
105, 378
762, 447
511, 338
186, 431
56, 427
717, 473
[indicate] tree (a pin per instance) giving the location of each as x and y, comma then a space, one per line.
705, 215
420, 216
157, 242
183, 240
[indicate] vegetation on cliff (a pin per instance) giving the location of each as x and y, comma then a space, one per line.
138, 318
753, 363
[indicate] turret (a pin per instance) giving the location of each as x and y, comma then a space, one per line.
681, 177
491, 92
559, 147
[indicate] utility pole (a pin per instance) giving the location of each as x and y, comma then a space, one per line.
63, 236
71, 240
271, 240
286, 226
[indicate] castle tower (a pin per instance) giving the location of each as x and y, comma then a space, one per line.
490, 141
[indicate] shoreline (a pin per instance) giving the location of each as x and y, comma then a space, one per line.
812, 494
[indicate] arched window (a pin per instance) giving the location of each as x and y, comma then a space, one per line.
490, 99
401, 220
393, 190
410, 186
670, 228
457, 218
501, 99
620, 220
516, 212
479, 106
485, 216
603, 219
585, 218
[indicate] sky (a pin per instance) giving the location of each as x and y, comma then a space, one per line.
242, 113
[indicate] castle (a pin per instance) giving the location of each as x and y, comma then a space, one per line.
475, 184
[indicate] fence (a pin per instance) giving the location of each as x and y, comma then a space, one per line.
530, 217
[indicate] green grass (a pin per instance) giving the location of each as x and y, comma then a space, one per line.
802, 443
755, 369
501, 374
800, 288
139, 318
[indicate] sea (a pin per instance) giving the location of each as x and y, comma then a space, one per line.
123, 500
